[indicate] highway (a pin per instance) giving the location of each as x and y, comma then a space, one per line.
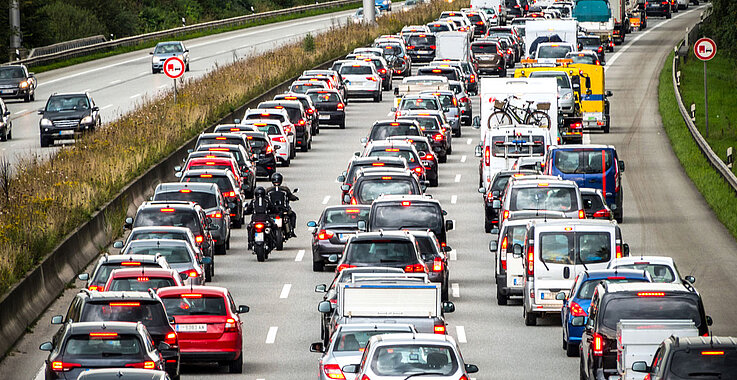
664, 215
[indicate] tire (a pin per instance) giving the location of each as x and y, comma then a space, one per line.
187, 69
501, 299
236, 366
10, 133
4, 136
318, 266
44, 142
539, 118
449, 151
293, 151
27, 98
530, 318
208, 274
342, 125
606, 124
377, 98
260, 252
304, 147
434, 182
668, 16
498, 117
154, 71
287, 162
220, 249
278, 239
488, 226
443, 159
33, 96
571, 350
444, 296
503, 73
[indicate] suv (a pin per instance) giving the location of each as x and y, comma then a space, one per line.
348, 177
403, 149
66, 115
614, 302
331, 231
370, 184
263, 152
410, 212
541, 194
330, 106
421, 46
678, 358
17, 83
228, 188
145, 307
108, 263
451, 107
297, 116
383, 129
394, 249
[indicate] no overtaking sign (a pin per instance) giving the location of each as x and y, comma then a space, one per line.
174, 67
705, 49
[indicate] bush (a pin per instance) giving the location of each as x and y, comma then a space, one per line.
61, 17
308, 43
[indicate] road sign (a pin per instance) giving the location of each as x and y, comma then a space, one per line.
705, 49
174, 67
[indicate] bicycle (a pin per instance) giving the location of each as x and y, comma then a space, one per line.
505, 112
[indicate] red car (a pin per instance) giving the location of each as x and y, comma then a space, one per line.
142, 279
216, 163
208, 324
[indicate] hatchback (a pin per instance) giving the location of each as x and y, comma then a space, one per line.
140, 279
332, 230
179, 254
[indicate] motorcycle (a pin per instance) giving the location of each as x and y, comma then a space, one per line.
282, 223
262, 240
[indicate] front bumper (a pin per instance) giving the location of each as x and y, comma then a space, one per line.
14, 93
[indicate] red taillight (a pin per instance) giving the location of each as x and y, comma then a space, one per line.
428, 156
505, 215
199, 238
269, 149
577, 310
504, 253
406, 203
143, 279
410, 47
437, 265
341, 106
433, 47
125, 304
144, 365
190, 273
601, 214
230, 194
619, 251
332, 371
302, 122
167, 210
487, 156
259, 227
63, 367
171, 339
600, 49
598, 346
415, 268
712, 353
581, 214
373, 79
103, 335
438, 137
651, 294
530, 260
216, 215
310, 111
280, 139
94, 288
325, 235
439, 329
418, 170
382, 71
344, 266
231, 325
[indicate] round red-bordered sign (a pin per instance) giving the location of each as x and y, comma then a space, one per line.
705, 49
174, 67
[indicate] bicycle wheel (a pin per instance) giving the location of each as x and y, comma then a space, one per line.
539, 118
498, 118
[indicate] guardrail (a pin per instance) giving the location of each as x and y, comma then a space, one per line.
709, 153
135, 40
66, 45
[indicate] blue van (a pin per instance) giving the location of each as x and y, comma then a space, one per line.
590, 166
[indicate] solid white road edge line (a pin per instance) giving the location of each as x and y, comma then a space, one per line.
453, 199
455, 289
458, 178
461, 332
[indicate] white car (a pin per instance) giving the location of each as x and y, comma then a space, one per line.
357, 18
661, 268
166, 50
279, 137
361, 80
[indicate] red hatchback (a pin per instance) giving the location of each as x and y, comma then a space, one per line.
207, 323
142, 279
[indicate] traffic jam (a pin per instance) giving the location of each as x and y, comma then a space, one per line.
527, 82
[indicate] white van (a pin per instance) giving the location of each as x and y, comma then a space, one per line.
453, 45
556, 251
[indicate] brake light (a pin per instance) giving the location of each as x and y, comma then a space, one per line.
63, 367
352, 211
190, 273
373, 79
269, 149
205, 175
94, 288
415, 268
167, 210
185, 191
439, 329
386, 178
433, 47
598, 345
391, 149
601, 214
712, 352
230, 325
103, 335
504, 253
191, 295
619, 251
437, 265
143, 279
310, 111
418, 170
144, 365
406, 203
199, 238
410, 47
325, 235
130, 263
530, 260
258, 226
332, 371
215, 215
171, 339
341, 106
344, 266
428, 156
505, 215
280, 139
651, 294
438, 137
600, 49
125, 304
577, 310
487, 156
230, 194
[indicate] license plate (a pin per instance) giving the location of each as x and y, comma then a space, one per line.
423, 52
517, 281
426, 163
200, 327
278, 222
66, 132
259, 237
324, 117
7, 91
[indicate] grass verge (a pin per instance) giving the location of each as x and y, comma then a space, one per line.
717, 193
49, 198
147, 45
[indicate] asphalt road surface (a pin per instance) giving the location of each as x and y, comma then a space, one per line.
664, 215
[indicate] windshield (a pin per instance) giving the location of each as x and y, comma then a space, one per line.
392, 49
500, 182
586, 291
409, 359
62, 103
561, 247
590, 42
372, 189
157, 217
223, 182
659, 272
206, 200
342, 217
582, 58
596, 202
194, 304
434, 28
418, 104
347, 341
12, 72
380, 252
92, 347
563, 81
293, 112
484, 49
583, 161
666, 307
172, 254
139, 284
302, 88
384, 131
356, 70
151, 314
421, 40
415, 216
168, 49
323, 97
694, 364
550, 51
544, 198
408, 155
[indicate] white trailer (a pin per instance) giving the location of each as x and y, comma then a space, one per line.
452, 45
566, 29
637, 340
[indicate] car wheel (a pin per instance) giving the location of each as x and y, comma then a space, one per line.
501, 299
10, 133
27, 98
33, 96
487, 226
530, 318
377, 98
342, 124
227, 243
153, 71
443, 159
293, 151
187, 69
44, 142
304, 147
444, 296
571, 350
236, 366
449, 151
208, 273
434, 182
287, 162
667, 16
318, 266
220, 249
4, 136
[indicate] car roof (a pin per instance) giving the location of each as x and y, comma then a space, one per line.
214, 172
389, 143
648, 287
605, 273
158, 242
199, 289
638, 259
116, 259
180, 205
375, 326
575, 223
413, 339
372, 159
396, 235
119, 295
183, 230
371, 172
196, 186
119, 327
705, 341
345, 207
134, 272
406, 197
582, 146
520, 182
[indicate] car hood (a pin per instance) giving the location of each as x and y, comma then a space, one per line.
66, 115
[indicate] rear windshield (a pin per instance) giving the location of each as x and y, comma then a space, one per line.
293, 112
302, 88
413, 359
562, 247
421, 146
258, 143
384, 131
172, 254
421, 40
194, 304
381, 252
235, 152
408, 155
553, 51
356, 70
589, 41
355, 169
91, 347
563, 81
392, 49
223, 182
428, 123
667, 307
562, 199
428, 248
514, 235
582, 58
500, 183
342, 217
140, 235
324, 97
204, 166
140, 284
103, 272
447, 101
206, 200
347, 341
419, 104
413, 216
586, 291
714, 364
506, 146
450, 74
484, 48
439, 27
213, 140
596, 201
270, 129
659, 272
156, 217
266, 115
150, 313
372, 189
583, 161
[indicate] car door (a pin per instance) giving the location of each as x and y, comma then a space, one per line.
554, 265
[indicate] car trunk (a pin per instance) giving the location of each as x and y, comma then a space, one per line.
199, 327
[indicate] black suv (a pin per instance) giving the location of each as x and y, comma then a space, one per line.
410, 212
243, 157
66, 115
393, 249
692, 357
421, 46
330, 106
297, 116
108, 263
17, 83
614, 302
86, 345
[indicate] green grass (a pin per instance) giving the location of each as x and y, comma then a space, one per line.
718, 193
147, 45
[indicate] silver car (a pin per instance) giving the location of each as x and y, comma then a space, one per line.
565, 89
178, 253
361, 80
347, 344
399, 356
166, 50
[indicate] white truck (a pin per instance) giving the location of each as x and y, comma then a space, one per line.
544, 30
637, 340
453, 45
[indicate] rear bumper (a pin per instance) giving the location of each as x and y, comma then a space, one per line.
421, 55
504, 289
366, 93
210, 356
331, 117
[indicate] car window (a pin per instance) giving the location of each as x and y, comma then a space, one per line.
694, 363
659, 272
596, 201
168, 49
372, 189
549, 51
194, 304
650, 307
355, 169
266, 115
146, 235
515, 235
594, 247
401, 360
500, 182
397, 216
380, 252
67, 103
562, 199
557, 248
103, 272
428, 248
224, 183
392, 49
346, 341
345, 216
384, 131
422, 146
150, 313
12, 72
421, 39
586, 291
172, 254
582, 58
484, 48
418, 104
427, 123
324, 97
563, 81
583, 161
165, 216
140, 284
356, 70
104, 346
504, 146
206, 200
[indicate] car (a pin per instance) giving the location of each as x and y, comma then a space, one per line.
434, 126
372, 183
88, 345
509, 31
335, 77
417, 102
6, 123
397, 356
495, 191
594, 204
302, 86
108, 263
464, 101
384, 5
577, 302
254, 115
441, 26
66, 115
111, 307
427, 158
383, 129
263, 153
559, 195
661, 268
16, 82
211, 162
411, 212
488, 58
166, 50
680, 357
470, 76
297, 116
396, 55
247, 165
420, 46
441, 69
141, 279
451, 106
123, 374
506, 47
307, 103
209, 325
347, 346
435, 259
478, 20
403, 149
178, 253
659, 8
362, 80
279, 139
612, 303
357, 164
209, 197
357, 17
228, 188
585, 57
213, 138
394, 249
330, 106
382, 67
593, 43
331, 231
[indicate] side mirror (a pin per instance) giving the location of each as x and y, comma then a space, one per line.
449, 307
57, 320
561, 296
324, 307
190, 150
333, 258
478, 151
341, 178
347, 198
322, 288
517, 250
207, 260
589, 92
396, 91
690, 279
312, 224
450, 224
364, 140
447, 248
393, 109
357, 154
350, 368
495, 193
345, 187
471, 368
578, 321
481, 190
609, 93
243, 309
620, 163
236, 121
361, 224
495, 230
46, 346
625, 249
7, 113
709, 321
493, 244
83, 276
128, 223
296, 190
587, 82
178, 174
640, 367
496, 204
317, 347
163, 346
423, 185
150, 53
213, 227
118, 245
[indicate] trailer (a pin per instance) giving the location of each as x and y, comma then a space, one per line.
637, 340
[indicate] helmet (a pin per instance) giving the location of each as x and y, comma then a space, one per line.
259, 192
277, 179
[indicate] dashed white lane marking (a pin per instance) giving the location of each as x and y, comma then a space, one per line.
106, 107
461, 332
116, 81
285, 291
586, 138
453, 255
458, 178
271, 335
21, 111
453, 199
455, 289
134, 96
326, 200
463, 158
300, 255
468, 142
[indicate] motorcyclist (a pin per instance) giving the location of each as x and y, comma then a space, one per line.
280, 196
260, 209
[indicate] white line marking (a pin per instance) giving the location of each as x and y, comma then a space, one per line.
453, 255
300, 255
106, 107
586, 138
21, 111
285, 291
468, 142
144, 73
453, 199
461, 332
455, 289
40, 373
458, 178
326, 200
271, 335
463, 158
86, 90
113, 82
221, 52
134, 96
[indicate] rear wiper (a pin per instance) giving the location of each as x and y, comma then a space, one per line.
390, 261
425, 374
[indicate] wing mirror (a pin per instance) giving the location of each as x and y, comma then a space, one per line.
83, 276
341, 178
578, 321
478, 151
587, 82
207, 260
609, 93
447, 249
232, 205
450, 224
350, 368
347, 198
322, 288
690, 279
357, 154
46, 346
495, 230
709, 320
640, 367
242, 309
561, 296
317, 347
364, 140
236, 121
449, 307
481, 190
620, 163
396, 91
296, 190
57, 320
118, 245
471, 368
128, 223
312, 224
213, 227
493, 243
324, 307
345, 188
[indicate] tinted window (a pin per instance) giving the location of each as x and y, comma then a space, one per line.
270, 129
258, 143
224, 183
195, 304
563, 81
515, 235
411, 359
213, 140
596, 202
324, 97
594, 247
428, 247
356, 168
427, 123
140, 284
156, 217
302, 88
408, 155
204, 166
139, 235
692, 364
669, 307
583, 161
392, 49
582, 58
396, 216
267, 116
372, 189
293, 112
151, 314
172, 254
544, 198
659, 272
347, 341
380, 252
206, 200
421, 39
86, 346
500, 182
384, 131
349, 216
67, 103
12, 72
356, 70
553, 51
484, 48
422, 146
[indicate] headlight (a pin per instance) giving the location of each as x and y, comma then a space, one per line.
86, 120
23, 84
46, 123
567, 96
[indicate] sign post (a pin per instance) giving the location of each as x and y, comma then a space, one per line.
705, 49
174, 69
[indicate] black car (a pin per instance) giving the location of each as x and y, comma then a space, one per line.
370, 184
17, 83
594, 204
393, 249
66, 115
435, 260
428, 159
516, 8
614, 302
659, 8
123, 374
495, 192
245, 162
262, 153
332, 230
226, 183
358, 164
86, 345
145, 307
297, 116
440, 137
592, 43
421, 46
478, 21
383, 129
330, 106
410, 212
108, 263
215, 138
678, 358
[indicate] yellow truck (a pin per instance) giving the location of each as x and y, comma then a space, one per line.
594, 96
